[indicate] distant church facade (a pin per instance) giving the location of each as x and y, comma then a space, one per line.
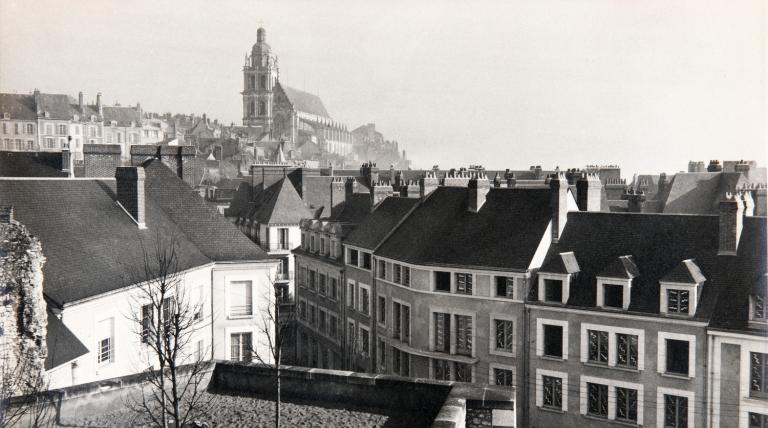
282, 113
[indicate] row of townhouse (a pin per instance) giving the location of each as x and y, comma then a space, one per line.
52, 122
593, 318
102, 238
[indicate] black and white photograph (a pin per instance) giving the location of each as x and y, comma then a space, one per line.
390, 214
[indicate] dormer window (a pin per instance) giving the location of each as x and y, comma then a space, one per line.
6, 115
555, 278
614, 283
613, 296
680, 289
758, 312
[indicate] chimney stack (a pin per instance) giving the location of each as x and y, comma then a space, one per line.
428, 184
635, 200
380, 191
350, 188
99, 107
338, 193
714, 166
558, 186
80, 101
759, 197
731, 223
479, 186
589, 192
748, 202
130, 192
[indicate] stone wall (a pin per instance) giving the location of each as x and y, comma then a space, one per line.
23, 318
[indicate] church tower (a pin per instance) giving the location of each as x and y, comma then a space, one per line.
259, 77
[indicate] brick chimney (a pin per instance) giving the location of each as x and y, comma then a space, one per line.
130, 192
99, 107
380, 191
714, 166
748, 203
558, 186
67, 164
635, 200
350, 188
428, 184
478, 186
589, 191
80, 102
338, 193
759, 197
731, 223
662, 184
511, 179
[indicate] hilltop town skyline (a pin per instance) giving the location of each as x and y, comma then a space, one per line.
652, 78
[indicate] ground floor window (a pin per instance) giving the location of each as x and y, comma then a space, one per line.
675, 411
503, 377
756, 420
626, 404
597, 400
241, 348
553, 392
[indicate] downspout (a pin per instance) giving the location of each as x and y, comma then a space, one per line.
526, 371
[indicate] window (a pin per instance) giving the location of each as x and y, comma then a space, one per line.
146, 323
677, 301
251, 108
350, 333
312, 243
333, 326
312, 315
303, 310
382, 269
443, 281
240, 300
406, 337
553, 290
442, 332
365, 341
597, 400
367, 261
105, 331
322, 322
442, 369
758, 308
552, 392
382, 355
598, 346
756, 420
462, 372
397, 361
303, 241
241, 348
62, 130
464, 283
675, 411
505, 287
30, 128
304, 277
334, 288
351, 295
263, 81
626, 404
406, 276
463, 334
397, 273
504, 335
352, 257
365, 300
553, 341
613, 295
503, 377
48, 129
323, 289
397, 326
49, 142
262, 108
282, 238
758, 374
626, 350
677, 356
382, 310
312, 280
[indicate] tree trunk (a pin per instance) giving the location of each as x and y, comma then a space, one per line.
277, 400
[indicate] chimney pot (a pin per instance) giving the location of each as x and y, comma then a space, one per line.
130, 192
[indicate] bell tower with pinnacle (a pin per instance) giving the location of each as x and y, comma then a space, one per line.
259, 77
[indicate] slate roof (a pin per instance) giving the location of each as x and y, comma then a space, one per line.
699, 192
57, 105
687, 272
63, 346
92, 246
304, 101
622, 267
441, 231
564, 263
376, 225
355, 209
745, 273
280, 203
18, 106
122, 115
31, 164
598, 239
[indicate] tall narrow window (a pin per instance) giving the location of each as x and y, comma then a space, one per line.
262, 108
626, 350
504, 335
758, 374
240, 300
397, 273
464, 283
598, 346
105, 343
382, 310
505, 287
597, 400
382, 269
364, 301
263, 81
396, 320
241, 348
553, 341
552, 392
442, 332
675, 411
282, 238
626, 404
146, 323
406, 276
677, 356
442, 369
463, 335
758, 307
406, 324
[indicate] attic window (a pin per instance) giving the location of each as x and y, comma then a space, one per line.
678, 301
443, 281
613, 295
553, 290
758, 309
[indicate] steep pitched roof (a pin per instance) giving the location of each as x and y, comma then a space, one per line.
281, 204
304, 101
355, 209
57, 105
687, 272
621, 267
376, 225
122, 115
598, 239
564, 263
441, 230
92, 246
744, 275
63, 346
18, 106
31, 164
700, 192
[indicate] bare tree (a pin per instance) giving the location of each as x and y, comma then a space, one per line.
23, 391
166, 320
276, 328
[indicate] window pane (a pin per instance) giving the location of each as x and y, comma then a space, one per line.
503, 377
626, 404
626, 350
677, 356
613, 295
758, 381
675, 411
553, 290
553, 340
598, 346
597, 399
553, 393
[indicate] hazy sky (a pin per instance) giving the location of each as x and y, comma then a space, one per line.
645, 84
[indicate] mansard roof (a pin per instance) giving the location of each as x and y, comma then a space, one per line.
376, 225
686, 272
504, 234
563, 263
621, 267
18, 106
92, 246
304, 101
57, 105
122, 115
